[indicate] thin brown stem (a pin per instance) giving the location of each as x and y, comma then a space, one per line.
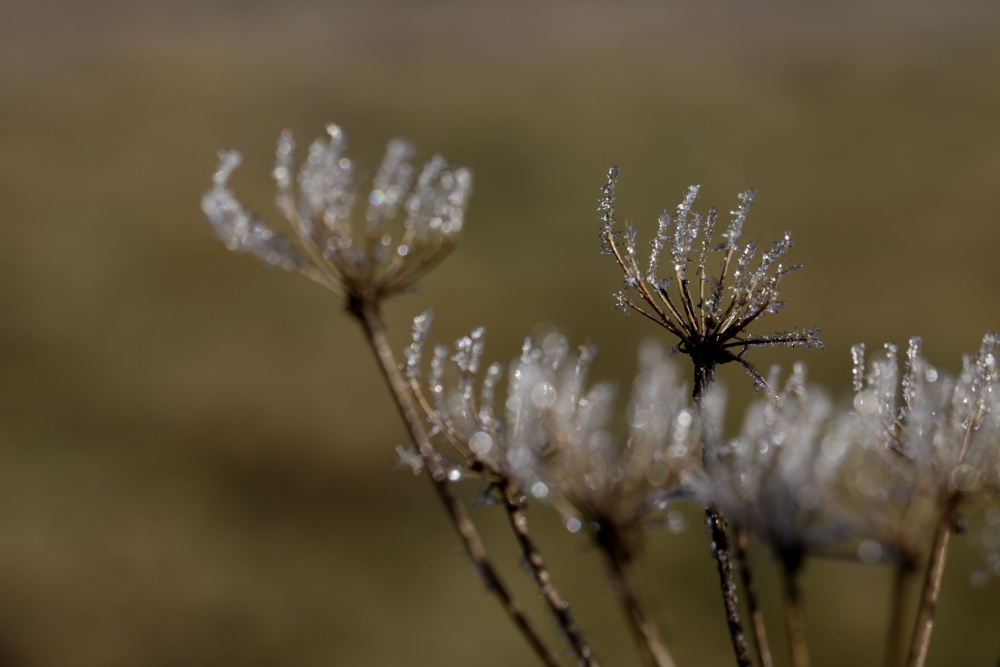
368, 314
797, 645
756, 615
903, 589
646, 635
543, 578
921, 640
724, 566
704, 376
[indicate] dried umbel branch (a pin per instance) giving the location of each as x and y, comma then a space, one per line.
936, 444
552, 439
552, 434
352, 252
364, 267
933, 438
782, 476
708, 315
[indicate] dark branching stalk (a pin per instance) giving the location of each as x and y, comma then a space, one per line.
359, 261
476, 464
722, 553
371, 321
709, 316
557, 605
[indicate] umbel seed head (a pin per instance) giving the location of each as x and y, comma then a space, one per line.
363, 248
708, 314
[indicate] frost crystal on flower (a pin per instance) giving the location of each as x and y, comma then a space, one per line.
709, 315
554, 439
935, 439
355, 255
779, 478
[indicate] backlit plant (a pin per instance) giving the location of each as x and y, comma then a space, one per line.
885, 480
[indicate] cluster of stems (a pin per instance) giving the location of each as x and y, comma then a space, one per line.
552, 443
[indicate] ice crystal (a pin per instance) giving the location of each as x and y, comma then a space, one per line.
709, 315
331, 245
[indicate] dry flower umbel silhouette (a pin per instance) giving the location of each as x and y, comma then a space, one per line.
355, 258
709, 315
360, 261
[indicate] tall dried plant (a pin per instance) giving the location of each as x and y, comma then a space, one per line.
885, 480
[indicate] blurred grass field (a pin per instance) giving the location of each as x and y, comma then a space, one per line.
195, 451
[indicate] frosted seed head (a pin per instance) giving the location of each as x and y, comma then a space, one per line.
319, 202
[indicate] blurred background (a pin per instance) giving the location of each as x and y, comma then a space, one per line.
196, 455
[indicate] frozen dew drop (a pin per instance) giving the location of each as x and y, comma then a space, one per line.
403, 250
543, 395
573, 525
869, 552
964, 477
676, 522
539, 490
866, 403
454, 475
657, 474
480, 443
519, 458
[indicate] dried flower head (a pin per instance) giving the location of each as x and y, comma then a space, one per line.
709, 315
553, 435
781, 477
935, 438
351, 252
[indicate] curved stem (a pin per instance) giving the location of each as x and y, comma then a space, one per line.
646, 635
704, 376
903, 583
368, 314
543, 578
932, 586
724, 566
794, 619
756, 615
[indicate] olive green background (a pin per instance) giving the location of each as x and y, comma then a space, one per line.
196, 459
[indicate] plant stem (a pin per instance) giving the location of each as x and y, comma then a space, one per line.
368, 314
794, 620
704, 376
644, 631
724, 566
932, 586
903, 584
756, 616
543, 578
